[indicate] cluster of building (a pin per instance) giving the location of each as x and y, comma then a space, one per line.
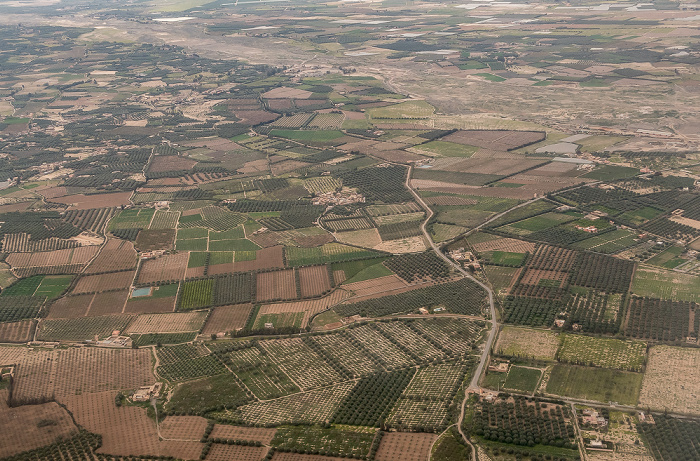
343, 197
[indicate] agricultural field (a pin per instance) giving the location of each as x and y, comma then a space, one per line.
255, 231
603, 385
670, 381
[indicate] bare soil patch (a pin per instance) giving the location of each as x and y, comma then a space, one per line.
406, 446
163, 268
85, 202
227, 318
32, 426
276, 285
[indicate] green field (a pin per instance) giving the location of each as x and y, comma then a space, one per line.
523, 379
192, 233
602, 352
191, 244
197, 259
491, 77
659, 283
328, 253
128, 219
371, 272
668, 258
541, 222
506, 258
611, 173
599, 384
232, 245
196, 397
51, 286
410, 109
289, 319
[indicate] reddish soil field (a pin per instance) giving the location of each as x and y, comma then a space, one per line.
16, 332
93, 369
286, 166
125, 430
111, 302
53, 192
256, 434
227, 318
255, 117
220, 452
21, 206
339, 277
162, 268
85, 202
183, 427
155, 239
267, 258
498, 140
23, 430
116, 255
162, 163
70, 307
79, 255
276, 104
314, 281
150, 306
276, 285
406, 446
104, 282
279, 456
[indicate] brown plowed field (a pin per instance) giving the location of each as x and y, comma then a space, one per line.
98, 369
406, 446
150, 306
125, 430
505, 244
16, 332
80, 255
183, 427
221, 452
227, 318
276, 285
199, 271
281, 456
162, 268
255, 117
314, 281
25, 428
155, 239
494, 165
370, 287
85, 202
35, 375
111, 302
167, 323
533, 276
266, 258
104, 282
116, 255
162, 163
256, 434
339, 277
70, 307
498, 140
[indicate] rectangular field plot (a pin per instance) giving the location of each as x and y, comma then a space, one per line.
225, 452
659, 283
341, 441
42, 425
672, 380
255, 434
104, 282
661, 319
308, 407
599, 384
314, 281
371, 340
183, 362
81, 329
348, 352
116, 255
410, 341
167, 323
405, 446
276, 285
527, 343
163, 268
130, 219
523, 379
16, 332
304, 366
227, 318
279, 320
603, 352
453, 335
165, 220
328, 253
259, 373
